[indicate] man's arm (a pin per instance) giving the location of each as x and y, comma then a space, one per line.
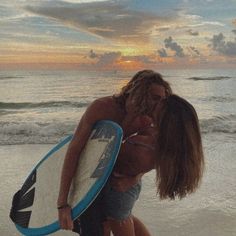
75, 147
81, 135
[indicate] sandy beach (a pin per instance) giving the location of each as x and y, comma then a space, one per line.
209, 211
16, 163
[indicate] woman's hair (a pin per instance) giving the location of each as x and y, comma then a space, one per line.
180, 160
139, 87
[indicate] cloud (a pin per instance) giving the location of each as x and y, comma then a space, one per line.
108, 58
108, 19
140, 58
92, 54
163, 28
191, 17
206, 23
169, 43
193, 49
193, 33
162, 53
113, 59
82, 1
219, 44
217, 41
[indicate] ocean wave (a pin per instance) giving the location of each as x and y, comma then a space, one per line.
10, 77
210, 78
219, 124
51, 133
34, 133
28, 105
218, 99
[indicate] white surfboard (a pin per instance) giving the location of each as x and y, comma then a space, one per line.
34, 209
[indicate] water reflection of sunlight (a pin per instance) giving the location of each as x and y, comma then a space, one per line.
119, 84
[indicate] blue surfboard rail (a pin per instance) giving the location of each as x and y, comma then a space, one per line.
91, 195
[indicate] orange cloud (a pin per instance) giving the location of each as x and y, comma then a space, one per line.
234, 22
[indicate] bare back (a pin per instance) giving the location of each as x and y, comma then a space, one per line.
137, 156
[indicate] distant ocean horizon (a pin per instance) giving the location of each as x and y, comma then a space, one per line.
39, 108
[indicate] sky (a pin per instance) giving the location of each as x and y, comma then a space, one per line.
117, 34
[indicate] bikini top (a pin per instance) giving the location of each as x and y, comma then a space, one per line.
127, 140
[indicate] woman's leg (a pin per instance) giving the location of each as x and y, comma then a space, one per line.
131, 226
140, 228
118, 207
122, 227
106, 228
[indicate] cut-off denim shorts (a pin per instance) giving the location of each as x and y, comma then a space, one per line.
118, 205
109, 204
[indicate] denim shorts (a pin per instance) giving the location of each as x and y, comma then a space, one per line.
119, 205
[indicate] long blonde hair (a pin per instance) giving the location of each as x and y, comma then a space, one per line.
180, 159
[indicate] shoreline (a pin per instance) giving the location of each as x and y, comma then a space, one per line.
209, 211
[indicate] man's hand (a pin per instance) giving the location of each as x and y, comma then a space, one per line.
65, 220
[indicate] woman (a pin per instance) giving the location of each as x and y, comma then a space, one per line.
173, 147
146, 88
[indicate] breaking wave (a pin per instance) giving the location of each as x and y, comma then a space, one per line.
50, 133
34, 133
210, 78
50, 104
10, 77
219, 124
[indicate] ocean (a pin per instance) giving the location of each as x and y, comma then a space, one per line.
39, 108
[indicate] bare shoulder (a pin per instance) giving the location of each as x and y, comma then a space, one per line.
96, 111
101, 109
101, 102
104, 108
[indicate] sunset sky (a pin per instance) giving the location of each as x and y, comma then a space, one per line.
121, 34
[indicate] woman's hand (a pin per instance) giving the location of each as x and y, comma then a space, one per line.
65, 220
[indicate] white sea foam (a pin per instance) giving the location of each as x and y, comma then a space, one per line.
34, 133
52, 132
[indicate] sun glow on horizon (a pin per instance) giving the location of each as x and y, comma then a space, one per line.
117, 34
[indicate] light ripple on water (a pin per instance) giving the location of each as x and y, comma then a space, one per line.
209, 78
49, 104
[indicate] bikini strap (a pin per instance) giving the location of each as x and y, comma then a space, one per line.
141, 144
138, 143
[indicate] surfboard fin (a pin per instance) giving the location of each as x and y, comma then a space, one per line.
23, 199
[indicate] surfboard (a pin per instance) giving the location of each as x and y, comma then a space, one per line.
34, 210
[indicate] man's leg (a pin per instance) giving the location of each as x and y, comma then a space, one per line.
91, 221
